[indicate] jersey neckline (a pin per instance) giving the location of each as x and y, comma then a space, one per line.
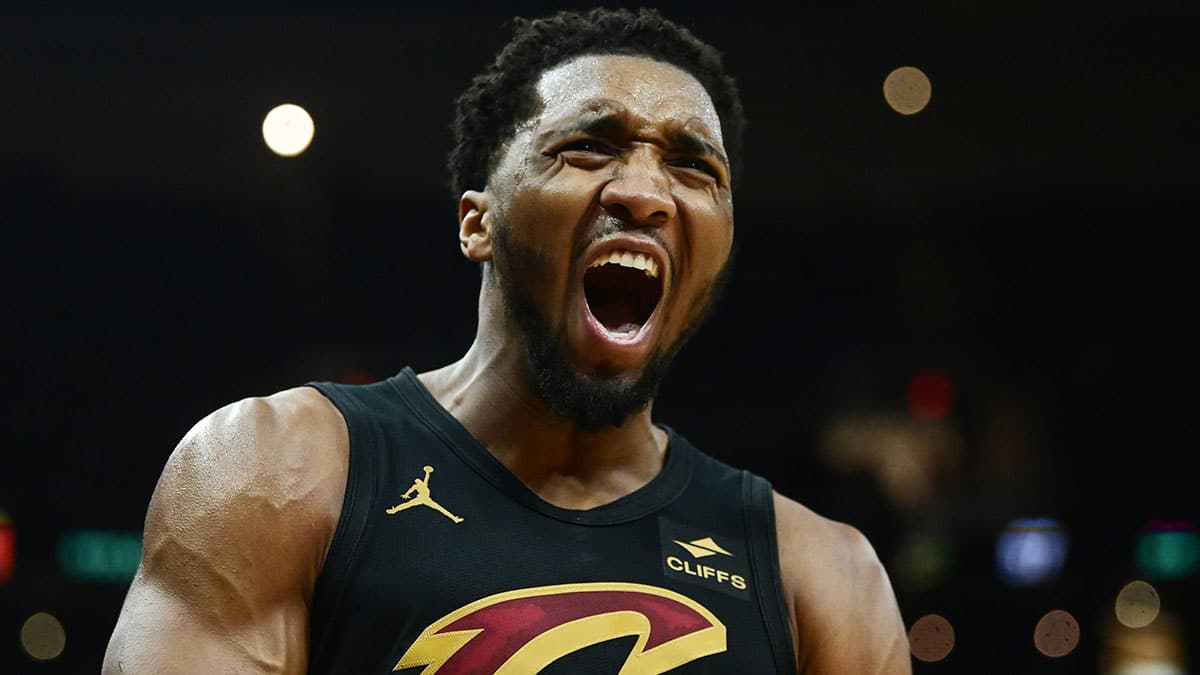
663, 489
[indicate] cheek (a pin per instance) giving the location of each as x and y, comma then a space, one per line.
552, 206
556, 215
529, 222
711, 235
571, 194
542, 220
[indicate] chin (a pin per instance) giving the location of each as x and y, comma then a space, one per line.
593, 400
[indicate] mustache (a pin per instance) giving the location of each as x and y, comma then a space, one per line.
609, 225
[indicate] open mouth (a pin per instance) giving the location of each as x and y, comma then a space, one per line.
622, 289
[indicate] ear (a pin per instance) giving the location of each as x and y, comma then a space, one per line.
474, 226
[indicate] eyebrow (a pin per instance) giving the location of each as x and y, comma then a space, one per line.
694, 144
610, 120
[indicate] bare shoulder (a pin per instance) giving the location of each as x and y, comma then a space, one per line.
271, 470
296, 434
843, 610
235, 536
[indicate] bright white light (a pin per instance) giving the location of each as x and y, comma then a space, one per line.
1148, 668
1031, 552
288, 129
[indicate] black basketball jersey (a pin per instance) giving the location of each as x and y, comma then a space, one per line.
444, 563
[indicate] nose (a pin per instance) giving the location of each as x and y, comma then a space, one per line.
640, 193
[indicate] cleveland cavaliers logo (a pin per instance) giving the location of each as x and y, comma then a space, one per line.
523, 631
421, 487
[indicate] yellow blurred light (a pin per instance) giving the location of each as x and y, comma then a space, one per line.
1056, 634
1148, 667
908, 457
931, 638
907, 90
1157, 649
43, 637
1137, 604
288, 129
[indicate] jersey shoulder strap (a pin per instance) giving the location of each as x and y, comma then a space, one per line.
763, 545
737, 502
370, 412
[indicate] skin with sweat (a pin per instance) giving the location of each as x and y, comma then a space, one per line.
621, 147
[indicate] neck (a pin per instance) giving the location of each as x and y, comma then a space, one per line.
488, 391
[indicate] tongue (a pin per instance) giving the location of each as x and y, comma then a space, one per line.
616, 313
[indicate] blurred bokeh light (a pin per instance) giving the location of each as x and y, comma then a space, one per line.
1137, 604
288, 130
908, 458
1157, 649
1031, 551
1168, 550
8, 547
930, 395
357, 377
907, 90
924, 561
43, 636
1056, 633
100, 555
931, 638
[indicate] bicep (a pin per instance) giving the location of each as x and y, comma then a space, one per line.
162, 631
233, 540
843, 610
867, 633
885, 638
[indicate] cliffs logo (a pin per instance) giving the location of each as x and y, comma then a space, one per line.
690, 554
526, 630
702, 548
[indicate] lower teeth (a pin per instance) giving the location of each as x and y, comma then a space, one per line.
628, 328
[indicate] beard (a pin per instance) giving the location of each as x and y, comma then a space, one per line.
591, 402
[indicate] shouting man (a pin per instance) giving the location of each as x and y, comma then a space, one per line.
565, 532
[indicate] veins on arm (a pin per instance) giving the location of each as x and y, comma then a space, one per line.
235, 535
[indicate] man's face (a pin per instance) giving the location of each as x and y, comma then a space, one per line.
613, 226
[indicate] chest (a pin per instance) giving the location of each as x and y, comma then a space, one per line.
466, 581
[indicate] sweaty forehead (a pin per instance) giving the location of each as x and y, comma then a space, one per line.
650, 91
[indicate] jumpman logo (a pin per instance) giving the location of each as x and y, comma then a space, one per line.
421, 487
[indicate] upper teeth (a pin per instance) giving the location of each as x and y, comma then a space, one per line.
639, 261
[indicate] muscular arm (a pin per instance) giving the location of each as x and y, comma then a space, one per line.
843, 610
236, 533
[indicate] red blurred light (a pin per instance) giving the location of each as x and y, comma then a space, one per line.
930, 395
357, 377
1170, 526
8, 552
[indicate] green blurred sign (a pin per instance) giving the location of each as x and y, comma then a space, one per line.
1168, 555
100, 555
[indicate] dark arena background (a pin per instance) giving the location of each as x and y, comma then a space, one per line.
966, 330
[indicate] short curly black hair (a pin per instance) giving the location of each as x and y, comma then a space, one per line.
503, 96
